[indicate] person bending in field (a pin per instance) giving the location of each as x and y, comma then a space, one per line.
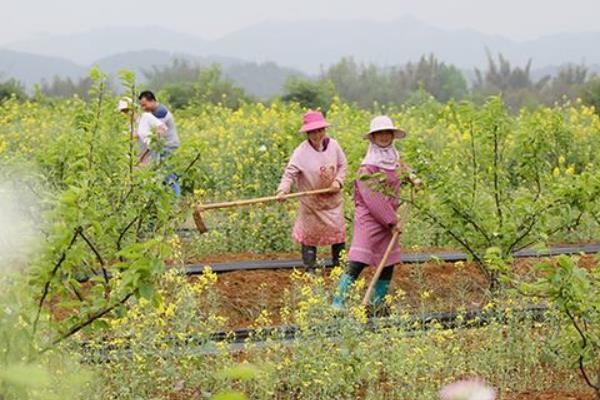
147, 126
317, 163
375, 219
149, 103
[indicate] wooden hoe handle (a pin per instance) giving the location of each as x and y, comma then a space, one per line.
247, 202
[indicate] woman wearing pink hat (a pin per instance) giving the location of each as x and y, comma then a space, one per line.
317, 163
375, 218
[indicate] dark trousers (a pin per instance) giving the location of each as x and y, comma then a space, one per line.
309, 256
355, 268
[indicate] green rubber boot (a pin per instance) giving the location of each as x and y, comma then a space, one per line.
342, 290
379, 292
377, 306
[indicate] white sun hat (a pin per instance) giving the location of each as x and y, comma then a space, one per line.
125, 103
384, 123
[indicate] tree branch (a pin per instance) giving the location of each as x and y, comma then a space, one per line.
191, 164
46, 289
449, 231
474, 162
532, 219
123, 233
78, 327
94, 131
98, 256
471, 222
131, 130
79, 296
497, 178
583, 346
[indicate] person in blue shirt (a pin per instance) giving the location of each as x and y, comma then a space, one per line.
149, 103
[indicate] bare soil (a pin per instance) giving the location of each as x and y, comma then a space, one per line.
445, 286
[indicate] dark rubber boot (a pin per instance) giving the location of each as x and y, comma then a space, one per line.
309, 258
336, 254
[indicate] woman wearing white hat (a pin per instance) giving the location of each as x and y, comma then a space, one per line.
144, 125
375, 217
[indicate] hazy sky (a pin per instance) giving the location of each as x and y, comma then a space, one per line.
518, 19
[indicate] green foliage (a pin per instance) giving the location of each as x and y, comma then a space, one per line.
591, 93
442, 81
212, 88
12, 88
229, 396
496, 182
453, 148
22, 375
143, 363
103, 216
314, 95
243, 372
514, 84
575, 293
166, 352
179, 72
185, 84
367, 85
66, 87
568, 84
544, 170
24, 372
493, 180
178, 95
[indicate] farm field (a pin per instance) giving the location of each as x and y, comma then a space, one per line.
99, 272
422, 288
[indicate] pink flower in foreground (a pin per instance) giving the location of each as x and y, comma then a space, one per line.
473, 389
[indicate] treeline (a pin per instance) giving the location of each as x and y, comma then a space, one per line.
184, 84
365, 84
58, 87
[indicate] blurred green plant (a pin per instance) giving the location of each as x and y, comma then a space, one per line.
575, 292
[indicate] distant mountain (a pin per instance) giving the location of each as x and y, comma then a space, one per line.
33, 68
308, 45
140, 60
87, 47
253, 57
137, 60
259, 79
561, 48
262, 80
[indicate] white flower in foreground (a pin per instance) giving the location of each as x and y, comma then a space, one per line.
468, 390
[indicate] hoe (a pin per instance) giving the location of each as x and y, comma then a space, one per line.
403, 214
200, 208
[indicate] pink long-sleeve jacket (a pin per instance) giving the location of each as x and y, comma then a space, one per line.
320, 219
374, 218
